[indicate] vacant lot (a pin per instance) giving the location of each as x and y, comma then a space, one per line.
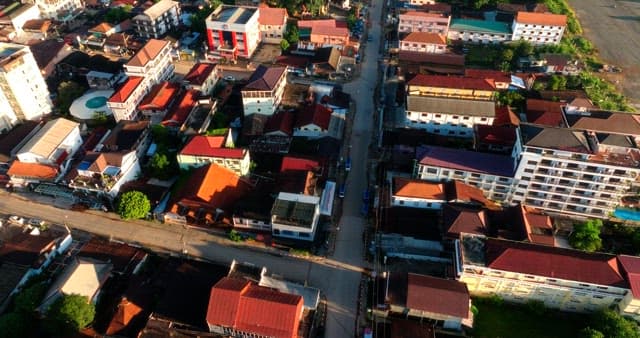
506, 321
614, 28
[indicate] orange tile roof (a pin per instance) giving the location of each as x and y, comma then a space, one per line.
127, 310
160, 96
199, 73
546, 19
505, 116
458, 82
272, 16
101, 28
149, 52
423, 14
426, 37
126, 89
418, 189
211, 146
32, 170
496, 75
182, 109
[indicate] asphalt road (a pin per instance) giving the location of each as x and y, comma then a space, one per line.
615, 32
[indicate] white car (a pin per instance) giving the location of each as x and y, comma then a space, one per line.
229, 78
16, 219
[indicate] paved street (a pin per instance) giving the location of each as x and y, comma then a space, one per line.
615, 32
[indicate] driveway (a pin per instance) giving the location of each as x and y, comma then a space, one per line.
615, 32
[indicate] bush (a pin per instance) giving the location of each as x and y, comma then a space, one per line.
133, 205
493, 300
586, 236
235, 236
536, 307
69, 314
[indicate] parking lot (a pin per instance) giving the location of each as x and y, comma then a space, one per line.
614, 28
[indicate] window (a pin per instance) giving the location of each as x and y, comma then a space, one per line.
432, 170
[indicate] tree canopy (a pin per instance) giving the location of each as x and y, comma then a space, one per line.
161, 167
586, 236
68, 91
14, 324
611, 324
133, 205
68, 314
29, 298
116, 15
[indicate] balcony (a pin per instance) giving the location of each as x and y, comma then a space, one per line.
97, 182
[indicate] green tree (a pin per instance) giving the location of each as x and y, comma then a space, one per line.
133, 205
523, 48
68, 91
69, 314
588, 332
29, 298
292, 35
284, 45
510, 98
116, 15
557, 82
14, 324
160, 166
198, 19
586, 236
612, 325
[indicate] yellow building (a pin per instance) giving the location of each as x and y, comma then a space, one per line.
569, 280
452, 87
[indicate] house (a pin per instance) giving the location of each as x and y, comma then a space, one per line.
543, 112
113, 162
466, 195
417, 193
82, 276
59, 10
117, 43
239, 308
492, 138
24, 94
97, 36
184, 109
24, 255
158, 19
155, 105
99, 71
264, 90
502, 80
479, 31
232, 32
37, 28
254, 212
202, 77
153, 62
211, 191
15, 15
47, 54
202, 150
556, 63
295, 216
125, 259
279, 124
420, 296
539, 28
538, 227
272, 23
492, 173
457, 219
424, 42
325, 60
124, 101
312, 121
414, 21
565, 279
47, 155
426, 63
12, 140
315, 34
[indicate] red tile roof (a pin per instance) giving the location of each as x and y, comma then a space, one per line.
239, 304
264, 78
126, 89
32, 170
463, 193
631, 266
211, 146
272, 16
316, 114
422, 14
405, 187
126, 311
199, 73
505, 116
496, 75
426, 37
538, 227
437, 295
290, 163
497, 135
149, 52
280, 121
180, 111
101, 28
160, 96
456, 220
541, 260
546, 19
546, 113
458, 82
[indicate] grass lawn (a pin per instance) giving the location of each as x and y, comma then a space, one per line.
506, 321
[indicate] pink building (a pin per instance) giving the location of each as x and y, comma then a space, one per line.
414, 21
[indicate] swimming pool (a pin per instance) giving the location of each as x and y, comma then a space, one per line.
627, 214
96, 102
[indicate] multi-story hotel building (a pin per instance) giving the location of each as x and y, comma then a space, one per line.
124, 101
479, 31
263, 92
582, 170
316, 34
491, 173
232, 32
539, 28
273, 23
23, 92
565, 279
158, 19
61, 10
424, 42
153, 62
414, 21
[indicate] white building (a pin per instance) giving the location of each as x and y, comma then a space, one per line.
14, 16
124, 101
569, 280
273, 24
263, 92
153, 62
23, 91
202, 77
295, 216
232, 32
202, 150
450, 117
417, 193
479, 31
158, 19
491, 173
60, 10
312, 121
424, 42
539, 28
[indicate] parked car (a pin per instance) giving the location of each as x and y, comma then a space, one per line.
16, 219
229, 78
36, 222
347, 165
342, 190
365, 196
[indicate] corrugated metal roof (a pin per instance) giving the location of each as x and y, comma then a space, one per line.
47, 140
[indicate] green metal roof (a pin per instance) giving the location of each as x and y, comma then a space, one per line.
480, 26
